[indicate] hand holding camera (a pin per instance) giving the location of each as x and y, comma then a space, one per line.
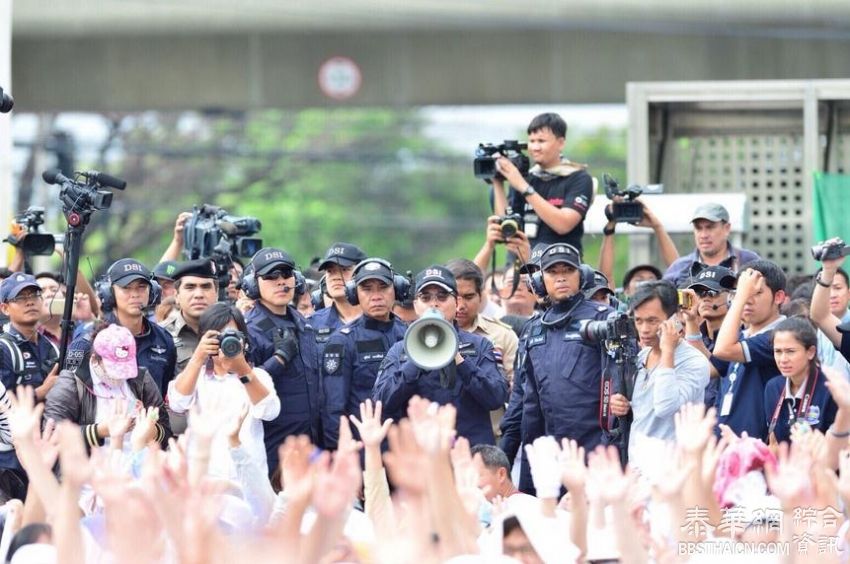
207, 346
831, 253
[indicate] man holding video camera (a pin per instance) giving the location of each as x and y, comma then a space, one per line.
284, 345
554, 197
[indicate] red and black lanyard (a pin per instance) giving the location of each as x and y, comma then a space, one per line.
803, 408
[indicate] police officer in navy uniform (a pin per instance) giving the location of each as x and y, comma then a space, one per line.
125, 294
27, 358
338, 266
472, 382
561, 372
354, 353
284, 345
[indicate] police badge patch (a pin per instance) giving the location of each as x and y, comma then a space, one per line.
332, 358
331, 364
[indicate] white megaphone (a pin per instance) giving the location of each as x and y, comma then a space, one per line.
431, 341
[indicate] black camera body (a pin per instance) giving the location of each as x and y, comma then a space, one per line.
628, 211
6, 102
830, 250
619, 328
484, 164
510, 224
231, 342
211, 232
32, 241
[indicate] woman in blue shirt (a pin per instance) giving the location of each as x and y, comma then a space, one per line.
799, 397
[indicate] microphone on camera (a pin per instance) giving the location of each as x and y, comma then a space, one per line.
54, 176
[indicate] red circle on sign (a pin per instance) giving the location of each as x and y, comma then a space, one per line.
339, 78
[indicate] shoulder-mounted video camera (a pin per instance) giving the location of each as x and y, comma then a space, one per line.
830, 250
484, 164
26, 233
211, 231
627, 211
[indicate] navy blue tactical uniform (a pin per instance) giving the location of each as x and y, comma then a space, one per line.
350, 365
296, 384
511, 424
475, 386
325, 322
155, 351
562, 376
818, 409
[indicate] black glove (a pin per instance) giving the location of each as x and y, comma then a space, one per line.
286, 347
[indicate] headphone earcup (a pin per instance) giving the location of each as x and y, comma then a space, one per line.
586, 275
155, 293
103, 289
537, 285
402, 287
351, 293
249, 284
300, 284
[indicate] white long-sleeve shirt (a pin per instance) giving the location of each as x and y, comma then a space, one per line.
251, 433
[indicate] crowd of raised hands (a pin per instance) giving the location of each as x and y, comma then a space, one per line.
409, 491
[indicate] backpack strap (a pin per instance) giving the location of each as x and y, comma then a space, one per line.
15, 353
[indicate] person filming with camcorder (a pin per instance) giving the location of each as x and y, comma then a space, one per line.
552, 197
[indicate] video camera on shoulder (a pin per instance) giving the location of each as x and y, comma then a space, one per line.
26, 233
484, 164
628, 211
830, 250
211, 232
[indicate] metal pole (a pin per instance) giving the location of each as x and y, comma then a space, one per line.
6, 190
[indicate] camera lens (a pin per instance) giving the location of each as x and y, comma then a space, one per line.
230, 345
509, 228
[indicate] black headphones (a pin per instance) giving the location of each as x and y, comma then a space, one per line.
103, 289
317, 296
251, 287
537, 285
401, 284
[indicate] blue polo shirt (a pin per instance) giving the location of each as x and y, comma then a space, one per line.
740, 401
820, 412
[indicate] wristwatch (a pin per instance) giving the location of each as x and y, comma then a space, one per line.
821, 282
530, 191
246, 379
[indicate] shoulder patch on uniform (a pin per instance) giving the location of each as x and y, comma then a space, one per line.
345, 330
601, 308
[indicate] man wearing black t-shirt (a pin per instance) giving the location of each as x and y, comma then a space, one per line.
555, 195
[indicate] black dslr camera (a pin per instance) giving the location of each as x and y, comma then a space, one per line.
628, 211
618, 329
510, 224
231, 342
212, 231
484, 164
28, 236
830, 250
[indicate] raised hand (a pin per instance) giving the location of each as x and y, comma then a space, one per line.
346, 441
466, 477
296, 472
838, 386
406, 461
234, 425
573, 467
119, 420
694, 427
76, 468
25, 415
790, 480
337, 483
372, 431
144, 429
606, 480
543, 457
433, 425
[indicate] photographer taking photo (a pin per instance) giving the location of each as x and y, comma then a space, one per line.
554, 197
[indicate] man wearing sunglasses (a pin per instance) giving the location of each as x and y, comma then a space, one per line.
472, 383
711, 287
284, 345
26, 358
354, 353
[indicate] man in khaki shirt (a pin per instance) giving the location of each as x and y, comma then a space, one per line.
470, 283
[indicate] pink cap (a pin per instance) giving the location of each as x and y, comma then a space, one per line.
116, 346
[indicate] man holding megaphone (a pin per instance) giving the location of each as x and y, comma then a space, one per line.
442, 363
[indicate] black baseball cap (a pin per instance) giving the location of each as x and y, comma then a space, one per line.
560, 252
201, 268
126, 270
717, 278
343, 254
635, 269
597, 283
269, 258
373, 269
165, 270
533, 264
436, 275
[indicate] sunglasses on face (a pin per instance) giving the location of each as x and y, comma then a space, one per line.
428, 297
277, 275
706, 293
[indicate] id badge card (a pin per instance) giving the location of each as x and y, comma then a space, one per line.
726, 405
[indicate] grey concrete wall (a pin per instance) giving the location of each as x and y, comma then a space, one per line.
399, 69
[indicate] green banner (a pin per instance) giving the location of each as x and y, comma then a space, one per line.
831, 206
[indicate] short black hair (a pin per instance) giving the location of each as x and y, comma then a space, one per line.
774, 276
801, 328
551, 121
663, 290
28, 535
220, 314
797, 307
177, 282
492, 456
465, 269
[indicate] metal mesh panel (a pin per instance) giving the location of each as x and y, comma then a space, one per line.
768, 168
